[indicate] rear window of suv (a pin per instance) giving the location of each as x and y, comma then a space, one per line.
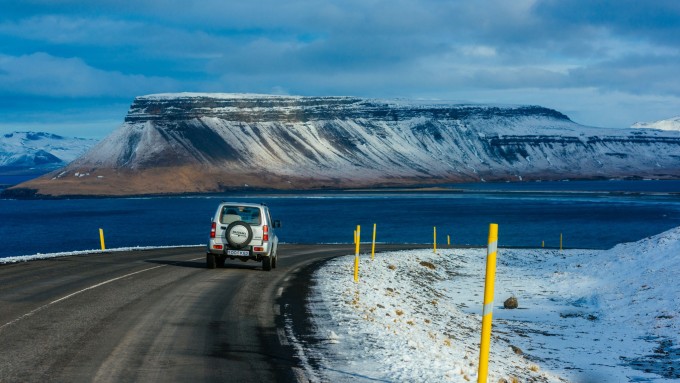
247, 214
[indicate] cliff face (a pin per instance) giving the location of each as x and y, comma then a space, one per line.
175, 143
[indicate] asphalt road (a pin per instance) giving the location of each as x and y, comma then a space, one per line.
156, 315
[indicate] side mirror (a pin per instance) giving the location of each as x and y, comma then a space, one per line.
276, 223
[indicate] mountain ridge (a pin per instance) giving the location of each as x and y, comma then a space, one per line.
667, 124
35, 153
202, 143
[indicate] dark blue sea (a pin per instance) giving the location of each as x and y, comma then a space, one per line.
594, 214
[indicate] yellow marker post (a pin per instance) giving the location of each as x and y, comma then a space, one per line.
435, 240
356, 268
487, 312
373, 246
560, 241
542, 243
356, 256
101, 238
448, 240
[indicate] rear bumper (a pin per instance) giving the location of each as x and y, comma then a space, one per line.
254, 251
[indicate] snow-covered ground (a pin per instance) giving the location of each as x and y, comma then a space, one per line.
583, 316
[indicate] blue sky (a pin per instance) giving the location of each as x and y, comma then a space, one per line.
73, 67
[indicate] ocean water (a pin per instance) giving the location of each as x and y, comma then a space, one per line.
588, 215
7, 180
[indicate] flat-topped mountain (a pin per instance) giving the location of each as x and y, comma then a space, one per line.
197, 142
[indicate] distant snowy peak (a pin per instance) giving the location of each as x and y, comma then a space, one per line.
669, 124
39, 151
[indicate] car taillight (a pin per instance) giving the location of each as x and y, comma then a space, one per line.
265, 233
213, 230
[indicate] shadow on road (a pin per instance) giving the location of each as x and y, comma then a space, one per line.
191, 264
200, 264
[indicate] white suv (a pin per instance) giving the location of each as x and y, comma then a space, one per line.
242, 231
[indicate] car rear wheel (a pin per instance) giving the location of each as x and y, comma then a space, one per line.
266, 263
210, 261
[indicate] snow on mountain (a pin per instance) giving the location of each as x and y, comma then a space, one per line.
200, 142
415, 316
669, 124
38, 152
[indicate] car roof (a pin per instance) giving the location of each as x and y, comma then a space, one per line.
250, 204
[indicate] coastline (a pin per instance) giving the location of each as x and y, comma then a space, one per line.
552, 187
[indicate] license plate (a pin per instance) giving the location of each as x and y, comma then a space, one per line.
240, 253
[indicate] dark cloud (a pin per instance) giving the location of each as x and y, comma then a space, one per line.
439, 48
657, 21
40, 74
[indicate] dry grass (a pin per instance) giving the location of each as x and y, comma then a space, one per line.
516, 350
429, 265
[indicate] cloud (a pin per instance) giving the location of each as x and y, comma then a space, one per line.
632, 74
655, 21
60, 29
103, 39
376, 48
41, 74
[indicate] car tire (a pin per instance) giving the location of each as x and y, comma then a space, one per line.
275, 258
220, 260
210, 261
238, 234
266, 263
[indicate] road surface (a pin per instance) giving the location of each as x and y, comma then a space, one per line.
155, 315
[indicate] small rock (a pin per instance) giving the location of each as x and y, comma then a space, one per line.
510, 303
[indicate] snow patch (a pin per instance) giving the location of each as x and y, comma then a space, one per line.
38, 256
583, 315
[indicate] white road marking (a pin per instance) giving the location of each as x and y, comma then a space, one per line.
279, 292
282, 337
32, 312
299, 375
